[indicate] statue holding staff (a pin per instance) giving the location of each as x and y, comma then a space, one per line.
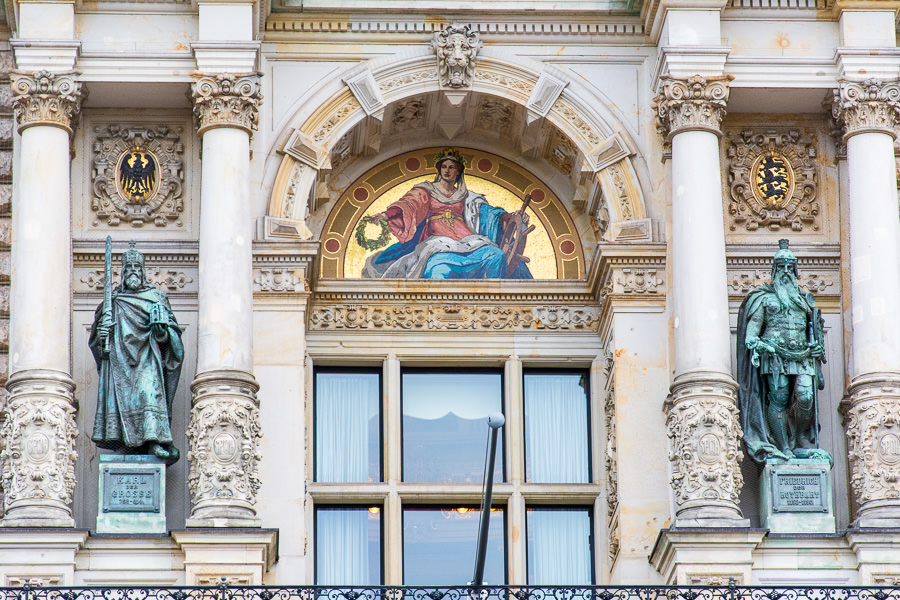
136, 343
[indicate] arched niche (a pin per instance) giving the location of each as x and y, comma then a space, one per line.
553, 251
595, 153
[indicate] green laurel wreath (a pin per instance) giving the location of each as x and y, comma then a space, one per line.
372, 244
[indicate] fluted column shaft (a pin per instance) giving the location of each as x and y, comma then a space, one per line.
224, 430
867, 112
38, 456
702, 411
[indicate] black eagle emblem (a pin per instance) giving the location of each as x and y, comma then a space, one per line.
137, 175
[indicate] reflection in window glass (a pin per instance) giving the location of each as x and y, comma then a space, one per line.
556, 428
348, 426
439, 546
445, 425
559, 546
348, 546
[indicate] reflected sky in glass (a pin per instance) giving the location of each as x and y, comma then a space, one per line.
445, 425
439, 546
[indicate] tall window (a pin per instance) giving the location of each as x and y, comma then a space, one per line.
445, 425
556, 427
559, 546
348, 546
348, 426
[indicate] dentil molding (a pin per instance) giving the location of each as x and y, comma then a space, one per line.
45, 98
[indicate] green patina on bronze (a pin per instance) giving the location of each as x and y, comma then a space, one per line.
137, 345
780, 351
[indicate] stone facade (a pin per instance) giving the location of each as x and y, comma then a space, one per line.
664, 149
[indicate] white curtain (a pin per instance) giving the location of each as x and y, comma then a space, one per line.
559, 551
556, 428
342, 549
345, 405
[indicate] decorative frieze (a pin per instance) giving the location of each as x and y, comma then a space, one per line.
448, 317
866, 106
693, 104
227, 100
742, 282
45, 98
162, 277
224, 435
872, 422
138, 174
37, 462
705, 451
772, 179
279, 279
456, 49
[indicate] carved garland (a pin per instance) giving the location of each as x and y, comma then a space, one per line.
166, 204
772, 180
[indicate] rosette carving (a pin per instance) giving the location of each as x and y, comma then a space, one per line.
705, 451
37, 463
45, 98
866, 106
226, 100
695, 103
873, 438
224, 434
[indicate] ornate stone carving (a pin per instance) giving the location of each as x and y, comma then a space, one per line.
338, 116
110, 145
170, 279
573, 117
637, 282
456, 48
224, 434
45, 98
279, 280
37, 462
452, 317
612, 468
745, 281
716, 580
409, 114
691, 104
772, 180
216, 579
866, 106
521, 87
226, 100
702, 423
561, 152
413, 78
872, 423
33, 580
495, 116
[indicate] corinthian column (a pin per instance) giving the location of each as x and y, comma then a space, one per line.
38, 433
224, 430
868, 114
702, 416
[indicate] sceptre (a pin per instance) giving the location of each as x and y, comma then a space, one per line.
107, 292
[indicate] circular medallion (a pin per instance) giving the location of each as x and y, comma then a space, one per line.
889, 448
137, 175
772, 178
360, 194
37, 447
485, 165
224, 446
332, 245
413, 164
708, 448
567, 247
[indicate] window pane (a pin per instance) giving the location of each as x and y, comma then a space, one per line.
439, 546
348, 426
559, 546
556, 428
445, 427
348, 546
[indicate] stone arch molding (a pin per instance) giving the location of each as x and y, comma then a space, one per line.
615, 199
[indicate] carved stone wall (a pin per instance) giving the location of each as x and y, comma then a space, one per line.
7, 124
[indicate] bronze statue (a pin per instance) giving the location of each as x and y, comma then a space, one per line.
780, 351
137, 345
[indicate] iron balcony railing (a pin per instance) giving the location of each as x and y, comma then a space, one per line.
634, 592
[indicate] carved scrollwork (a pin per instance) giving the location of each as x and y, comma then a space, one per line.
745, 281
866, 106
702, 423
224, 434
45, 98
772, 180
279, 280
170, 279
873, 439
226, 100
456, 48
37, 462
691, 104
162, 207
637, 281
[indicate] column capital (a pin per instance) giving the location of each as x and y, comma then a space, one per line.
45, 98
226, 100
872, 105
694, 103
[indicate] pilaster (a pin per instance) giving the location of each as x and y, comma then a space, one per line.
39, 557
706, 556
239, 556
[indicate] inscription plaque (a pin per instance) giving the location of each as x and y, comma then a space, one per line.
130, 490
799, 490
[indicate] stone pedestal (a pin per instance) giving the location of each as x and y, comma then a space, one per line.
132, 496
797, 496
